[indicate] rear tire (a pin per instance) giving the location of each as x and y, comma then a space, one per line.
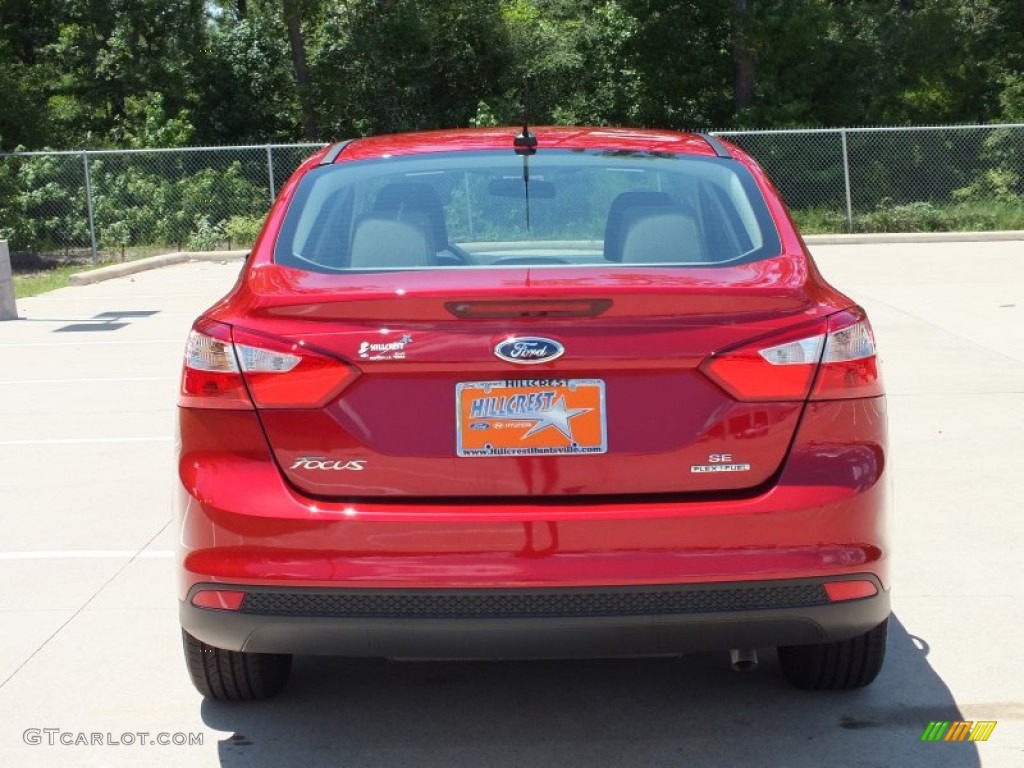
234, 675
838, 666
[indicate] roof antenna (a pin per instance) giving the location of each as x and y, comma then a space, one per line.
525, 144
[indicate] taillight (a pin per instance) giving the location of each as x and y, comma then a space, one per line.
836, 356
288, 374
256, 369
211, 377
849, 367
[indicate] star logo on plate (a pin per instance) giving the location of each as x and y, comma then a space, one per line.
557, 416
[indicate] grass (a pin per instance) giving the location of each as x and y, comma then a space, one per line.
820, 221
48, 272
960, 216
35, 283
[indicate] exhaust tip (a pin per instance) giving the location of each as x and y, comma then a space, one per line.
743, 659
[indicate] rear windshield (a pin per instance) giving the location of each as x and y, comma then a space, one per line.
495, 209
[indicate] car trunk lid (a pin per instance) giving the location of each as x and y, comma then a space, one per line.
625, 408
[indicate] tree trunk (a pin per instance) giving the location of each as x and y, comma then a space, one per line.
743, 58
293, 21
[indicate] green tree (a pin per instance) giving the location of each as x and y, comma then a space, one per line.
147, 72
26, 28
109, 52
391, 65
245, 90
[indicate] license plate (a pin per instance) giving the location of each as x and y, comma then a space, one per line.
539, 417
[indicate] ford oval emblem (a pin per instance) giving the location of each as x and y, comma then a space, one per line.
529, 350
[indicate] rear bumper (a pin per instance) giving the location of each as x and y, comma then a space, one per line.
241, 526
546, 623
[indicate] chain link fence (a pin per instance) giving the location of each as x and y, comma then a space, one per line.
69, 206
124, 203
951, 178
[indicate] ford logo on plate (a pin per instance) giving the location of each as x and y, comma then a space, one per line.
529, 349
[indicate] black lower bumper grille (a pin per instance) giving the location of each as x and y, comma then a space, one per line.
499, 604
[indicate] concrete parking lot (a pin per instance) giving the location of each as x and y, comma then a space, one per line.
89, 640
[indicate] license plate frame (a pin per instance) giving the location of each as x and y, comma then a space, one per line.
531, 417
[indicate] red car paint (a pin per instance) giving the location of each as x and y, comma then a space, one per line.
811, 506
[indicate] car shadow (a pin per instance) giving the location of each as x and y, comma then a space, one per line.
689, 711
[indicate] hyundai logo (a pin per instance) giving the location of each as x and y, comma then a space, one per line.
529, 350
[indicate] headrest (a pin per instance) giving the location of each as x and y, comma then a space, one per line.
658, 235
383, 243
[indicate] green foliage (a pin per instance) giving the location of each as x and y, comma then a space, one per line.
146, 73
44, 196
137, 200
974, 215
994, 184
244, 83
126, 203
985, 215
206, 236
380, 67
242, 230
102, 56
146, 124
484, 117
1011, 97
820, 220
217, 195
117, 235
912, 217
171, 72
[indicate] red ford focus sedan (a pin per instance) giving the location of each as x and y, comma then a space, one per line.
501, 394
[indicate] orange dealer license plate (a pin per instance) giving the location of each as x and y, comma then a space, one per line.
535, 417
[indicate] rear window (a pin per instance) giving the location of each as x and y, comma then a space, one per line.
494, 209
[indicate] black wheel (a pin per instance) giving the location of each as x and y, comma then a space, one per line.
234, 675
837, 666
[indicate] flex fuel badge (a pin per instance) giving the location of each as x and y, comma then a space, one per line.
720, 462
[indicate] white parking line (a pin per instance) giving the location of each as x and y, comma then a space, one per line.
91, 381
127, 296
130, 557
147, 342
88, 554
85, 441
